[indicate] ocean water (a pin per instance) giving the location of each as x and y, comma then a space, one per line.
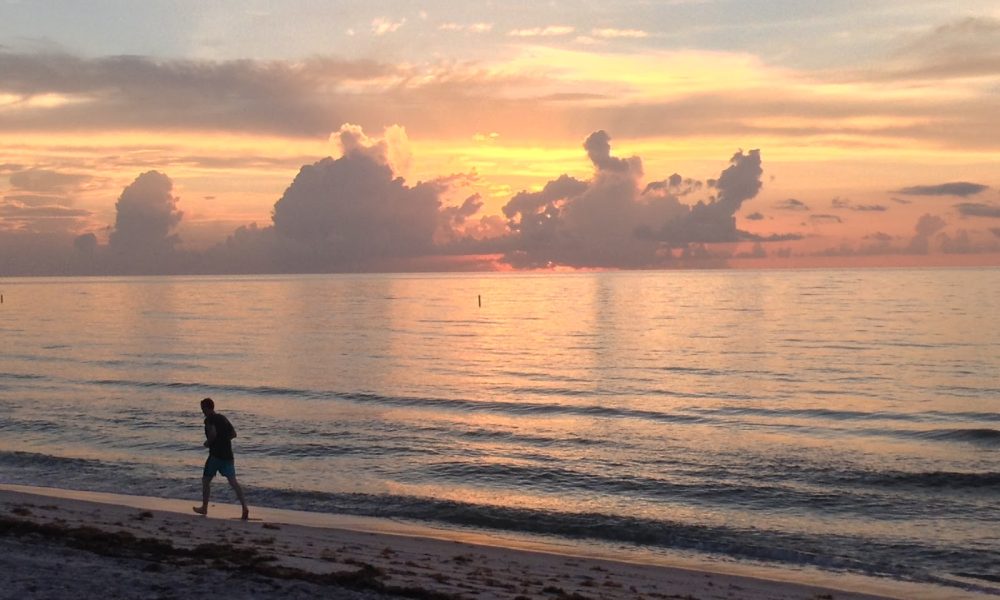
847, 420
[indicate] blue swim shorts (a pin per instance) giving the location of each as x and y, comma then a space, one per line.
219, 465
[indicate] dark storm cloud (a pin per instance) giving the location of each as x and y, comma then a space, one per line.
791, 204
146, 215
614, 221
955, 188
978, 209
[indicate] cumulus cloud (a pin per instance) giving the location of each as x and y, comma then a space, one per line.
927, 225
86, 244
354, 208
756, 251
46, 238
145, 218
978, 209
598, 147
954, 188
355, 213
929, 235
613, 220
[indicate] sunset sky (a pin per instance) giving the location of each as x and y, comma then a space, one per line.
253, 136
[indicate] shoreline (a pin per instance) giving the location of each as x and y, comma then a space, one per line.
400, 559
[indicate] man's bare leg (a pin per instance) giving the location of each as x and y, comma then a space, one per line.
239, 494
206, 490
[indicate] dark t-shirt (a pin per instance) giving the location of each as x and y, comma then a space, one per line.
222, 447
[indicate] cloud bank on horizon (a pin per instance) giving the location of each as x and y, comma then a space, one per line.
354, 213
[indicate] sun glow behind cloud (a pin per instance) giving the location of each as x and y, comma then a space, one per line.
232, 135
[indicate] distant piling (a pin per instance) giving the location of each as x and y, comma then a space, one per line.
480, 297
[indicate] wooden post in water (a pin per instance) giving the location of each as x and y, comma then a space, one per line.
480, 300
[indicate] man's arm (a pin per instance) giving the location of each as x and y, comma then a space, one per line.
231, 431
210, 434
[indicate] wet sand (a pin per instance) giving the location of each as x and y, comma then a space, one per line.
62, 544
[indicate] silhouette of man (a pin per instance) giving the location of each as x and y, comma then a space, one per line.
219, 435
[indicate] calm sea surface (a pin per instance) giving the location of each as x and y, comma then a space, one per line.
847, 420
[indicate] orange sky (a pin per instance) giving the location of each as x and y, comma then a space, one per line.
877, 134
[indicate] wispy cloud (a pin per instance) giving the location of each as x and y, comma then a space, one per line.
978, 209
954, 188
382, 26
467, 27
791, 204
609, 33
964, 48
550, 31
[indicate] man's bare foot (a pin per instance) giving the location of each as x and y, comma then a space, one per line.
246, 513
201, 510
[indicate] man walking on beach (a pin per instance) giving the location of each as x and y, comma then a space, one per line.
219, 435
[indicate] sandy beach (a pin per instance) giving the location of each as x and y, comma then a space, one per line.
56, 544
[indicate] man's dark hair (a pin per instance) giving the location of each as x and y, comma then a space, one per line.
208, 403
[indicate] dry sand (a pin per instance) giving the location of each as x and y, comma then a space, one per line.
61, 544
